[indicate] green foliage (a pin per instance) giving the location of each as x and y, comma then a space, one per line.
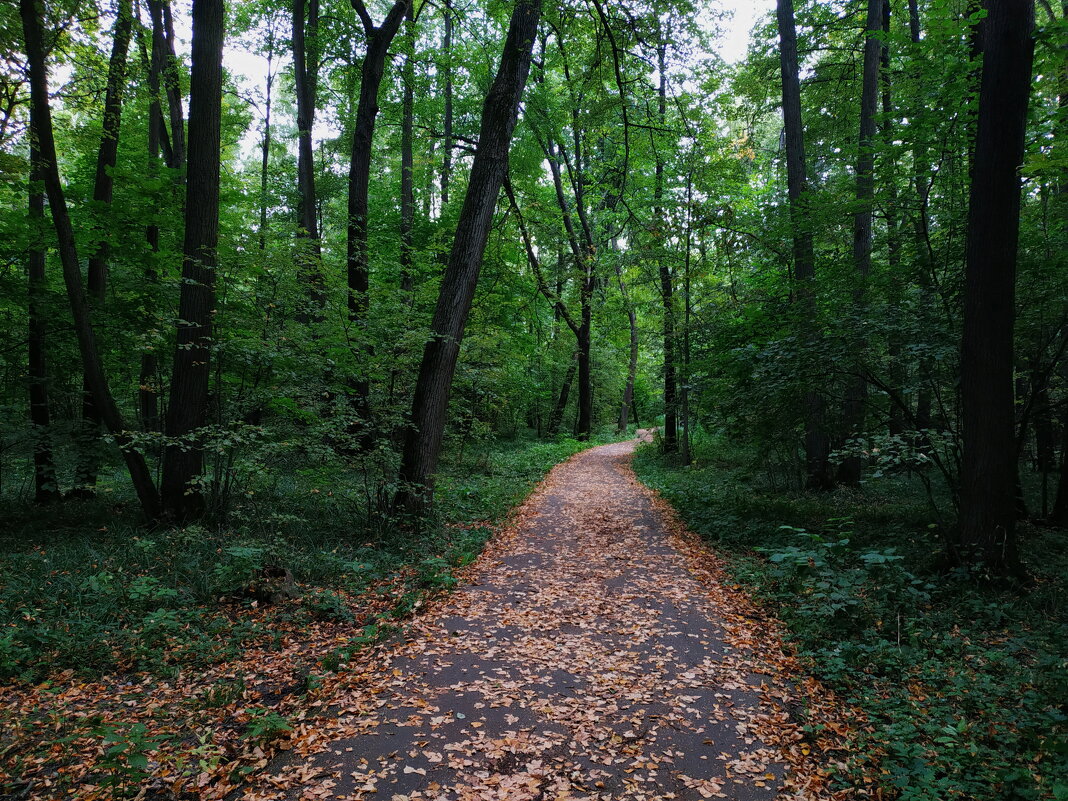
963, 685
118, 598
265, 725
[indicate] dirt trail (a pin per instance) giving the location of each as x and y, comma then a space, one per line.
590, 654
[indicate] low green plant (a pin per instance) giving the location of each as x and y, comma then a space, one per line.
266, 725
962, 684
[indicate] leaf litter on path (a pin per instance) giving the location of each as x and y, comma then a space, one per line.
596, 650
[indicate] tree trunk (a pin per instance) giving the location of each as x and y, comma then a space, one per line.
583, 255
987, 533
895, 346
446, 158
557, 415
265, 143
422, 444
305, 74
1059, 515
407, 220
148, 394
358, 256
854, 410
817, 447
922, 250
83, 328
685, 454
163, 30
670, 434
183, 459
632, 372
45, 488
88, 438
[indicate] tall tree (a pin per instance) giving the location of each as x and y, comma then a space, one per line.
45, 488
422, 443
671, 411
183, 458
987, 533
68, 253
305, 79
817, 447
357, 254
103, 191
446, 67
407, 220
853, 412
163, 38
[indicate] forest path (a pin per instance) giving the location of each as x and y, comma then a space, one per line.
591, 653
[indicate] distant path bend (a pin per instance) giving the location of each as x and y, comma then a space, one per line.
592, 653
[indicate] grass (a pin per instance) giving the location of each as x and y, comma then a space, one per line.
965, 685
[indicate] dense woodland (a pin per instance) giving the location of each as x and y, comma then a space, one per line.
433, 240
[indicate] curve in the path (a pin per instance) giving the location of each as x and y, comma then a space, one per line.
588, 657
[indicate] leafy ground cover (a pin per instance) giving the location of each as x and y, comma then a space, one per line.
127, 653
965, 686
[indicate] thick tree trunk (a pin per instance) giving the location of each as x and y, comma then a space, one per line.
83, 329
358, 255
88, 437
183, 458
422, 444
45, 488
854, 409
817, 446
987, 533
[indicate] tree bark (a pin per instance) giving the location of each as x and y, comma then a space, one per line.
45, 487
987, 535
854, 410
88, 437
817, 446
422, 444
183, 458
83, 328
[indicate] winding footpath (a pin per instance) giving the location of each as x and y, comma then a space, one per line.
594, 651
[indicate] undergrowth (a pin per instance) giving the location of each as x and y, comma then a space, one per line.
965, 686
84, 587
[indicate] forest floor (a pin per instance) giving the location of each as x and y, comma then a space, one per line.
595, 650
